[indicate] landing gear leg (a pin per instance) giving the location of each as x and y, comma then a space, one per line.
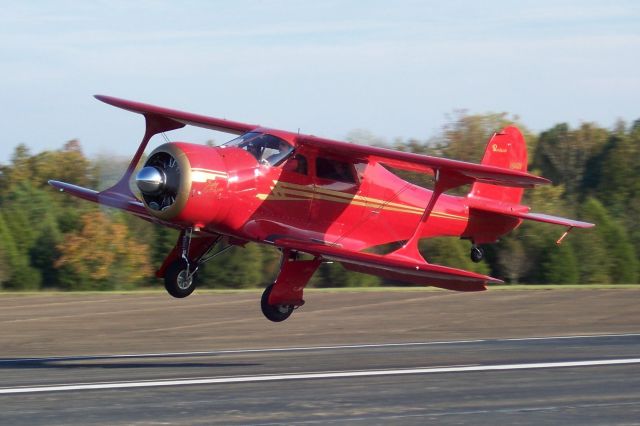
477, 254
181, 265
179, 278
281, 298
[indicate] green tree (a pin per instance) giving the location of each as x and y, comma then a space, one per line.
44, 252
335, 275
163, 240
465, 136
513, 259
17, 272
562, 154
30, 217
239, 267
8, 253
67, 164
450, 251
560, 265
615, 259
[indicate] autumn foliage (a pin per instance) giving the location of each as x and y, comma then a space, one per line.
103, 254
49, 240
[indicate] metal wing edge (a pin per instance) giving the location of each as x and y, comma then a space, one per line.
212, 123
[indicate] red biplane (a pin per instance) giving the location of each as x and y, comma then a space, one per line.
331, 201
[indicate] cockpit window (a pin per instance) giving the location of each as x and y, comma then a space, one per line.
267, 149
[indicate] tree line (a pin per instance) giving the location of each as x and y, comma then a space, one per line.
50, 241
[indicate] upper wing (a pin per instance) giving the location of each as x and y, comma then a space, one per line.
179, 116
396, 268
459, 171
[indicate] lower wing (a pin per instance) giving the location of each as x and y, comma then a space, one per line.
111, 199
395, 268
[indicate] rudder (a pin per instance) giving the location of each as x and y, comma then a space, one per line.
506, 149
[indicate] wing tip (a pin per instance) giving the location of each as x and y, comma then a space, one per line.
111, 100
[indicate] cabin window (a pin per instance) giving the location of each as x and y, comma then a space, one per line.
334, 170
297, 164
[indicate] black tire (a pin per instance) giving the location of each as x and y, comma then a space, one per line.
275, 313
476, 254
174, 280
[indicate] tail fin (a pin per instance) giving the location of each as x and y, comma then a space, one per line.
506, 149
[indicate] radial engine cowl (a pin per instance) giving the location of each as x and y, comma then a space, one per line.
171, 191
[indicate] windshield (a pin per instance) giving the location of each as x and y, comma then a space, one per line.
267, 149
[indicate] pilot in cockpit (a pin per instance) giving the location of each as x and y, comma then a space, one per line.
267, 149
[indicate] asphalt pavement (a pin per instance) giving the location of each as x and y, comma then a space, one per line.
570, 357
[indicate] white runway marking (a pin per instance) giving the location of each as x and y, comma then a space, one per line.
313, 376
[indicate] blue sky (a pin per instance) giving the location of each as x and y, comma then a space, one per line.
393, 68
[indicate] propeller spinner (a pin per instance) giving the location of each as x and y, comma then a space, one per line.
159, 181
150, 180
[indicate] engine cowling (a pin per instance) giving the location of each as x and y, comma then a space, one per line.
184, 183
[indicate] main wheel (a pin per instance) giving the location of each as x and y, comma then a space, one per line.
275, 313
176, 280
476, 254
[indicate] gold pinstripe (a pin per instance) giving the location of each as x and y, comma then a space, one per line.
204, 175
283, 191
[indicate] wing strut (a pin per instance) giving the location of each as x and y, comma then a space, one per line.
443, 182
564, 235
154, 124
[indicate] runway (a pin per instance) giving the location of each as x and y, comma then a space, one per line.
588, 377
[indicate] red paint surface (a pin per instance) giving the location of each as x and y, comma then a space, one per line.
331, 220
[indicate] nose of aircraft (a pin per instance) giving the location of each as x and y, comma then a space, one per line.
150, 180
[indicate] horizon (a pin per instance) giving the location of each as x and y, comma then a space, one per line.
395, 72
357, 135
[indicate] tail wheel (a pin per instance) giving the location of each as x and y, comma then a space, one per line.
476, 254
178, 282
275, 313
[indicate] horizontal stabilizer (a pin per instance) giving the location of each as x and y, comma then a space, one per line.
405, 270
556, 220
520, 212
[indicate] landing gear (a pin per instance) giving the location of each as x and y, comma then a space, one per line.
281, 298
179, 280
477, 254
275, 313
180, 267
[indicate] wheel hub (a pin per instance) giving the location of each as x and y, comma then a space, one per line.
184, 280
283, 309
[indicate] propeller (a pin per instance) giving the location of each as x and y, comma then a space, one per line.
159, 181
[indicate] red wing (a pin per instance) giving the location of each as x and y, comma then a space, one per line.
395, 268
461, 171
110, 199
179, 116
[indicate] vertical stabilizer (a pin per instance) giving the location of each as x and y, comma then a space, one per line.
506, 149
